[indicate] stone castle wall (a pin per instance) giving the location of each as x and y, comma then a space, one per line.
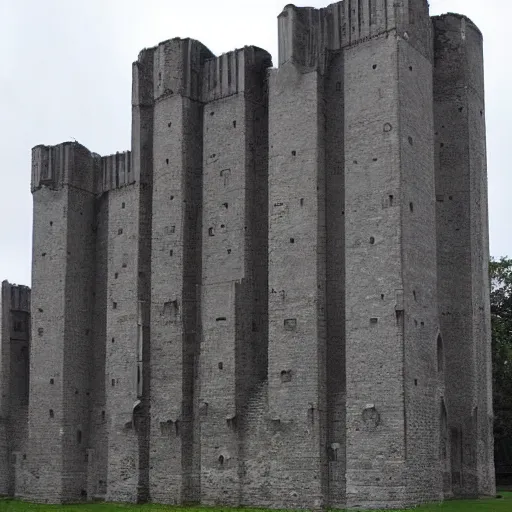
14, 384
279, 296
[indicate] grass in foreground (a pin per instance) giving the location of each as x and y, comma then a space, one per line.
492, 505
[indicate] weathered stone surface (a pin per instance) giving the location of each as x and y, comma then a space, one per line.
279, 297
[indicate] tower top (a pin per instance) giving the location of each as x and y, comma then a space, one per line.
307, 34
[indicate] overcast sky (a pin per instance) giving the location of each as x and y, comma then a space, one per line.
66, 73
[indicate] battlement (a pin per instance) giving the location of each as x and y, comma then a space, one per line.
307, 34
233, 72
72, 164
115, 171
451, 20
68, 163
454, 35
188, 68
17, 296
177, 65
443, 18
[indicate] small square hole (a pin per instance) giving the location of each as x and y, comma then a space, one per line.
290, 324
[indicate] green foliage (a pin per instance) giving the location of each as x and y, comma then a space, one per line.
495, 505
501, 316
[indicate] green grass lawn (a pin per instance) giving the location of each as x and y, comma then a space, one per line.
496, 505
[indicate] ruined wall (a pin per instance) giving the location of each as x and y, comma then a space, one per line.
463, 252
14, 383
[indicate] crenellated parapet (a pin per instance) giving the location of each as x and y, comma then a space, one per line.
177, 65
142, 82
452, 19
68, 163
234, 72
455, 35
307, 35
188, 68
72, 164
115, 172
18, 297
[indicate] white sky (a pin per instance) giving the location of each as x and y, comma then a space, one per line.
66, 73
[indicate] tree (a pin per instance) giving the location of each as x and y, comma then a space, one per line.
501, 317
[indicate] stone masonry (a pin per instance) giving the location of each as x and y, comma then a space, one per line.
279, 297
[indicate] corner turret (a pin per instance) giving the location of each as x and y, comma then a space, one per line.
68, 163
306, 34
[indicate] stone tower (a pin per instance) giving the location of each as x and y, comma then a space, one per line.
14, 383
279, 297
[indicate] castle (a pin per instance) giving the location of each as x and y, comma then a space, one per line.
279, 297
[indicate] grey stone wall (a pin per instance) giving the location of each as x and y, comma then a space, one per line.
5, 367
176, 271
296, 284
419, 277
279, 297
14, 381
97, 450
463, 252
123, 337
63, 268
335, 277
232, 350
376, 457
